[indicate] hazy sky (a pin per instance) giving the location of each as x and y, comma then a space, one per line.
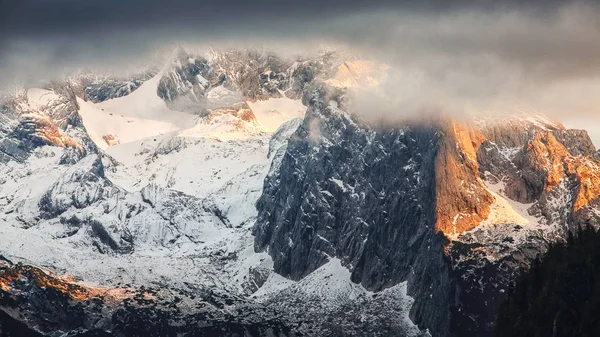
460, 55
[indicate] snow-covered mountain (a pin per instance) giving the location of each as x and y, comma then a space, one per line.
238, 193
117, 187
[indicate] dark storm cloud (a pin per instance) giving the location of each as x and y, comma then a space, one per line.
72, 18
79, 16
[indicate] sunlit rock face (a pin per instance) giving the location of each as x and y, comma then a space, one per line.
462, 201
51, 304
470, 202
37, 117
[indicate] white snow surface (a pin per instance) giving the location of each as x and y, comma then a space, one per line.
330, 286
193, 165
38, 98
140, 115
506, 211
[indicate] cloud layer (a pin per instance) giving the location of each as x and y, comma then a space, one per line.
461, 55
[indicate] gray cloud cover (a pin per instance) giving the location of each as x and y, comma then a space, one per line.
462, 55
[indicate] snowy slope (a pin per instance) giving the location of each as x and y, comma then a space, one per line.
145, 103
194, 165
137, 116
39, 98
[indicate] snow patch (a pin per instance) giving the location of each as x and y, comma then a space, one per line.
140, 115
506, 211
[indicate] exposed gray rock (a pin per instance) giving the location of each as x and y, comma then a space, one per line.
35, 303
250, 74
24, 128
185, 82
347, 190
99, 88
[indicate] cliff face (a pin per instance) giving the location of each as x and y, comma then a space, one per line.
188, 81
362, 195
454, 208
462, 201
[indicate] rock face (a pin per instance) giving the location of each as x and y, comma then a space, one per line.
462, 201
184, 83
188, 80
456, 209
34, 118
39, 130
361, 195
259, 75
110, 140
99, 88
177, 219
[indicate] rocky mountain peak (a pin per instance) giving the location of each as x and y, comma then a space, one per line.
479, 193
184, 79
426, 218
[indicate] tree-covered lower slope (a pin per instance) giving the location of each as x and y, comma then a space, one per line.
560, 294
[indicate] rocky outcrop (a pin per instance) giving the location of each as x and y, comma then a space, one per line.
98, 88
577, 142
80, 187
34, 302
362, 195
110, 140
184, 83
188, 79
462, 201
37, 130
256, 74
32, 119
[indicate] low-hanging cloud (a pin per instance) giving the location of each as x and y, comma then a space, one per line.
463, 57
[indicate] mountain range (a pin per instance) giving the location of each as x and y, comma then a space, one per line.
241, 193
